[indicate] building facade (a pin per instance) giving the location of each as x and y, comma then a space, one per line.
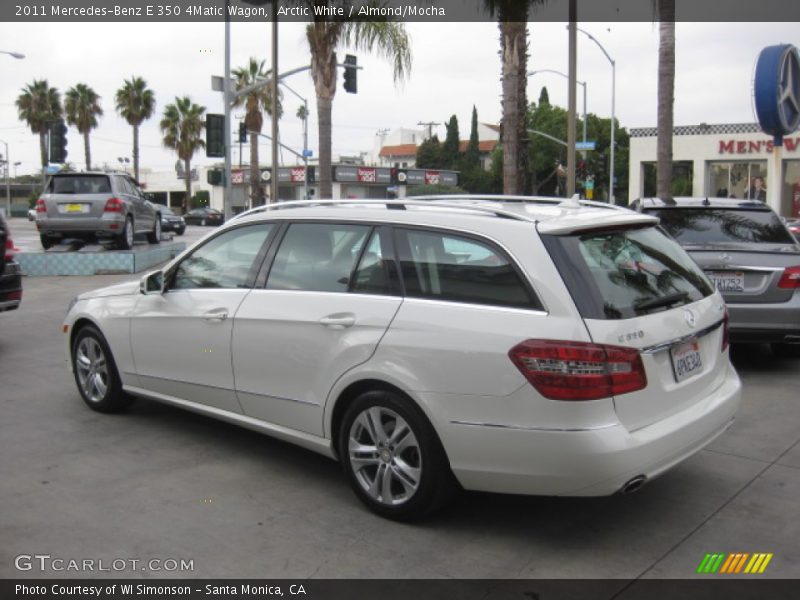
724, 160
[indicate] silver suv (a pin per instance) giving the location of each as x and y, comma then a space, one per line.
95, 206
531, 347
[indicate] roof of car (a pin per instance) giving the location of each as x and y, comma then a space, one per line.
701, 202
551, 215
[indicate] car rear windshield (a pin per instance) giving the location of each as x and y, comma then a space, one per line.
625, 273
723, 225
79, 184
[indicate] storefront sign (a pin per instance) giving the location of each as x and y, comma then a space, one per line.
420, 177
776, 89
756, 146
377, 175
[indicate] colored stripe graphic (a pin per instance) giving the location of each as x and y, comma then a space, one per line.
735, 562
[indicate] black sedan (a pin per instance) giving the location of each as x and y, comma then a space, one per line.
10, 273
172, 222
204, 216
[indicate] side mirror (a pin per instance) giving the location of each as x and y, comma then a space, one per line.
152, 283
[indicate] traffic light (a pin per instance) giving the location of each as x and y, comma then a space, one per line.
58, 141
214, 177
350, 74
215, 135
242, 133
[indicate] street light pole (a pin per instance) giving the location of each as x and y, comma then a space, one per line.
227, 199
583, 83
274, 179
8, 181
305, 138
613, 123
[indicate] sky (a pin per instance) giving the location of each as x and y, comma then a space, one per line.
455, 66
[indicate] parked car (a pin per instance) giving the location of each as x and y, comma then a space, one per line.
751, 257
95, 206
204, 216
10, 272
520, 347
170, 221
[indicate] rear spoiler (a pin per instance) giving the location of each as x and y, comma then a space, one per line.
578, 222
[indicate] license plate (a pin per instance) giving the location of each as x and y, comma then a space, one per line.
76, 208
686, 360
727, 281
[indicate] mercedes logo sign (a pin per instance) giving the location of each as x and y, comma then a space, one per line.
776, 90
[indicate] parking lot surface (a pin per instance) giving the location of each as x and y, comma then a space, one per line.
158, 482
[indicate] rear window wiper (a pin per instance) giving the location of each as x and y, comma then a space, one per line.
662, 301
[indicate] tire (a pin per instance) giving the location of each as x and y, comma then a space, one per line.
96, 372
785, 350
202, 222
125, 239
47, 242
154, 237
415, 471
180, 231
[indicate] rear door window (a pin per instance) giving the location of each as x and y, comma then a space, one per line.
443, 266
620, 274
722, 225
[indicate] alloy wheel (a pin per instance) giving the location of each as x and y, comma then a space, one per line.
385, 456
92, 369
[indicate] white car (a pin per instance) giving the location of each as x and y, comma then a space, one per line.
525, 346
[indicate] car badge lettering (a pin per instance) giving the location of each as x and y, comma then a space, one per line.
691, 319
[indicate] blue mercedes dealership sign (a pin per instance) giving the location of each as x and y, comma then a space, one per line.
777, 90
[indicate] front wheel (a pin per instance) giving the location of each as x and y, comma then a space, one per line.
47, 242
154, 237
125, 239
96, 372
393, 458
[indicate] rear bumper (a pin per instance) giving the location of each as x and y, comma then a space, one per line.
585, 462
765, 323
109, 225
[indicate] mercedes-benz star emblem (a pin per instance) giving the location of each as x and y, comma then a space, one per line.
691, 320
789, 90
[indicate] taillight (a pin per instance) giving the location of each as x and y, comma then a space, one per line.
114, 205
790, 278
40, 207
562, 370
9, 253
726, 335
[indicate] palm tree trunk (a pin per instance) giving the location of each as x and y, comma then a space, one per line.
43, 150
256, 195
666, 96
324, 112
514, 54
87, 152
187, 167
136, 152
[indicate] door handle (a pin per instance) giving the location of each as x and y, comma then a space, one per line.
339, 321
218, 315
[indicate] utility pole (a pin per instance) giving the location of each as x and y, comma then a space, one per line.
429, 125
573, 67
274, 179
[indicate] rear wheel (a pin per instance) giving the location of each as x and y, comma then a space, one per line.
154, 237
47, 242
96, 372
393, 458
125, 239
786, 350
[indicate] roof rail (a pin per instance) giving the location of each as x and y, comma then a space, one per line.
398, 204
545, 200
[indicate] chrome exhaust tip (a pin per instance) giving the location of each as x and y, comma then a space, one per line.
633, 485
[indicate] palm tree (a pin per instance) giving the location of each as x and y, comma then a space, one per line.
666, 96
388, 38
38, 105
182, 125
82, 106
512, 17
135, 103
254, 102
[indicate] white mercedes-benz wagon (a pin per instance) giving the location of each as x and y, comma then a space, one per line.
517, 345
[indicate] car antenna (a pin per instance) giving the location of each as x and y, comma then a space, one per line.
572, 202
706, 202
